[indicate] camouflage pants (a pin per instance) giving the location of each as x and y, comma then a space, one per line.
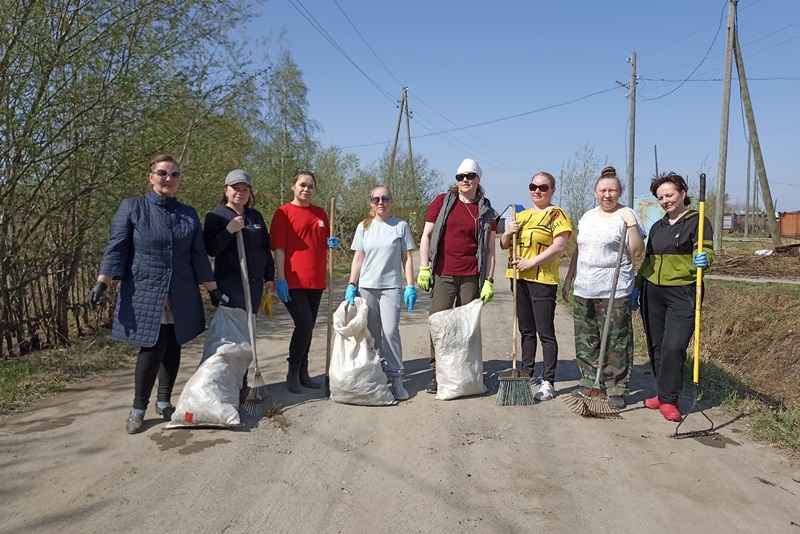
589, 318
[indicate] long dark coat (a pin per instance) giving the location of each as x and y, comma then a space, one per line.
156, 249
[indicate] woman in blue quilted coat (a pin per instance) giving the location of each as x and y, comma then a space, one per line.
157, 253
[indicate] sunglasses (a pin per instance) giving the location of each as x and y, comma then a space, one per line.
175, 175
466, 176
385, 198
544, 188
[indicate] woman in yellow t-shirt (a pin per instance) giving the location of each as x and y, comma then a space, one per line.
542, 234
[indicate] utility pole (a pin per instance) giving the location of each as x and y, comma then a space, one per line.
396, 137
655, 151
761, 171
415, 189
723, 130
632, 138
747, 191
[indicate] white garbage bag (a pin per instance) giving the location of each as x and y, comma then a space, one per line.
356, 375
456, 336
211, 396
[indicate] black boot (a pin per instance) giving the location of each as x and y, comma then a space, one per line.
293, 379
305, 379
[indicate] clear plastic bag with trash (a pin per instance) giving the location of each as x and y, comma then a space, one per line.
356, 375
457, 342
211, 396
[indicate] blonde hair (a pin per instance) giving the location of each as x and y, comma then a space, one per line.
368, 221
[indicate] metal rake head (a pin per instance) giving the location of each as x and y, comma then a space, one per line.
591, 403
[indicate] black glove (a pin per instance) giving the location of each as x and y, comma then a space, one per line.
97, 294
218, 298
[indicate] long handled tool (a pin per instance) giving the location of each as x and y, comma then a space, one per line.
254, 397
593, 402
328, 347
514, 389
698, 302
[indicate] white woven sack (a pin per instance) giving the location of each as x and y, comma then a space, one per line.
211, 396
356, 376
456, 336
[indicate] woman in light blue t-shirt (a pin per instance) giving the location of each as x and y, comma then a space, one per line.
381, 262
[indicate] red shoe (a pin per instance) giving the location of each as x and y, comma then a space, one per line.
653, 403
670, 412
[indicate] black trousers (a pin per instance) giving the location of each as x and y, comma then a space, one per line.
303, 306
536, 314
668, 314
161, 361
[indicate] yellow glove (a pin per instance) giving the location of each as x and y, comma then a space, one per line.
487, 293
425, 278
266, 303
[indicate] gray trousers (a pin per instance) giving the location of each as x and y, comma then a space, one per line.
383, 321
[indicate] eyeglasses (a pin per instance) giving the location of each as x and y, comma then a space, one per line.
544, 188
385, 198
466, 176
175, 175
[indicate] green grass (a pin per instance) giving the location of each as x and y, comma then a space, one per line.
781, 427
40, 374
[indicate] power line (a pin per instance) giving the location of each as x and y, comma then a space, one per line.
317, 26
719, 27
515, 116
367, 44
763, 79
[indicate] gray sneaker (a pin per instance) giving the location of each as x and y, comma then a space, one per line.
616, 401
400, 392
134, 423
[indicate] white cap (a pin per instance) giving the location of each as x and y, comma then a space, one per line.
469, 165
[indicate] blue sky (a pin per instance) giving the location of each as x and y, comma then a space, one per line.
467, 63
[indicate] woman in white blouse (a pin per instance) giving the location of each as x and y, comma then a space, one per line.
592, 270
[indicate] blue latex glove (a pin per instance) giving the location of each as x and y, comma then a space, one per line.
350, 294
410, 297
333, 242
635, 299
282, 288
700, 260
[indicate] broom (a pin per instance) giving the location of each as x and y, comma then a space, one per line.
328, 347
593, 402
698, 301
514, 389
254, 397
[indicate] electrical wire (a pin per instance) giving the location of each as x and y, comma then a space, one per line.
501, 119
317, 26
719, 27
367, 44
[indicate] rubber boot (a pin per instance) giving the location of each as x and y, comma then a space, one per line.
305, 379
293, 379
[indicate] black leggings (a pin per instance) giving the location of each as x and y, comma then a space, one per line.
303, 306
162, 360
536, 313
668, 314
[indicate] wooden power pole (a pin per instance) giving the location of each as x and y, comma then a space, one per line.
719, 212
396, 138
761, 171
632, 138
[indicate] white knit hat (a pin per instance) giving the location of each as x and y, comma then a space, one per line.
469, 165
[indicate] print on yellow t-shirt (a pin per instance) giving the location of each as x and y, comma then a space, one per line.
536, 232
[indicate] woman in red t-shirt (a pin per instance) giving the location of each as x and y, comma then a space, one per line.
299, 236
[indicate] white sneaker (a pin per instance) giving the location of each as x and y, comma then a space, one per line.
400, 392
546, 392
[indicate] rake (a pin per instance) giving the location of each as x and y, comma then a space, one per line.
698, 302
254, 397
514, 389
593, 402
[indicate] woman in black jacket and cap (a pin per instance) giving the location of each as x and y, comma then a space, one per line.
236, 214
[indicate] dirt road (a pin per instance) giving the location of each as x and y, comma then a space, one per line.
465, 465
